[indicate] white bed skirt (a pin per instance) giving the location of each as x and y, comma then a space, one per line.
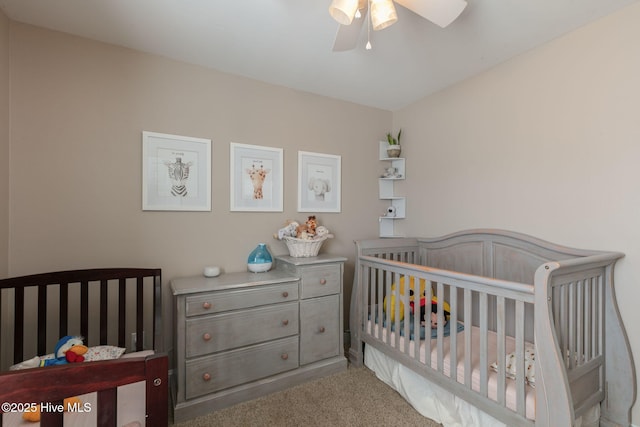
437, 403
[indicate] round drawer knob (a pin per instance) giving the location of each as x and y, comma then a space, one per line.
321, 330
206, 376
285, 322
285, 356
285, 294
206, 305
323, 281
206, 336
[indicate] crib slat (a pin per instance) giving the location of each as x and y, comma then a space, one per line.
588, 336
571, 347
483, 344
84, 311
140, 314
440, 328
501, 349
107, 407
520, 383
104, 301
453, 327
52, 418
122, 313
406, 308
600, 349
18, 321
467, 337
580, 321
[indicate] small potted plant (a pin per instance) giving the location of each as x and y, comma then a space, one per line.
393, 150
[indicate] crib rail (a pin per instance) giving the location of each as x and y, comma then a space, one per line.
102, 305
454, 361
103, 377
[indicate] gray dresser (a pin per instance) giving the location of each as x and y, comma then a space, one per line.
243, 335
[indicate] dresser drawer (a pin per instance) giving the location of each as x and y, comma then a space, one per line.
215, 302
235, 367
210, 334
319, 328
320, 280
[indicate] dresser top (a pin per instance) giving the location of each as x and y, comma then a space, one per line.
189, 285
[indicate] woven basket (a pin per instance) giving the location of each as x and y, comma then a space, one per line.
299, 248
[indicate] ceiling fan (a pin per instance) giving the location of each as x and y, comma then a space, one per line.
383, 14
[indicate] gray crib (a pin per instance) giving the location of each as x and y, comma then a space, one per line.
504, 302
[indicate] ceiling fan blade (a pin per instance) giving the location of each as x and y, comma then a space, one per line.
348, 35
440, 12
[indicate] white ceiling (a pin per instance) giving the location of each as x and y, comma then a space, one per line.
288, 42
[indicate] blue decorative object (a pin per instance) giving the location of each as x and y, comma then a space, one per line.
260, 259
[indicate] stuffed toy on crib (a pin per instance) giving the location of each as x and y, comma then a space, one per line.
390, 303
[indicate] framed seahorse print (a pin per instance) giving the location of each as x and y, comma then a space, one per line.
256, 178
176, 173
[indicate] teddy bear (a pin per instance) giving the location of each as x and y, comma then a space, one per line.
308, 229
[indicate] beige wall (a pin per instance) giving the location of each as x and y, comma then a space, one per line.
547, 144
4, 144
78, 110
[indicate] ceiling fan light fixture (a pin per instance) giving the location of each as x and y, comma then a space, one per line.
383, 14
343, 11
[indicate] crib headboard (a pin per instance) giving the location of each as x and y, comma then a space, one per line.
500, 254
105, 306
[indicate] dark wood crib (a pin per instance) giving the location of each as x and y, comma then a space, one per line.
106, 307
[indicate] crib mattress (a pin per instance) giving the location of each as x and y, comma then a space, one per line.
510, 395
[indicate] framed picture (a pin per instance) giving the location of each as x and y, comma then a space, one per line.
318, 182
256, 178
176, 173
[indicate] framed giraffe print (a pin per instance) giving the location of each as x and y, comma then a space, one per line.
256, 176
176, 173
318, 182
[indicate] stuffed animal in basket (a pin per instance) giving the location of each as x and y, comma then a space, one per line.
290, 229
308, 229
390, 300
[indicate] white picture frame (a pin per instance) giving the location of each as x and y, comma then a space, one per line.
319, 182
256, 178
176, 172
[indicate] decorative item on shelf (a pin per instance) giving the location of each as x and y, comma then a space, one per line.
260, 259
394, 148
391, 173
303, 240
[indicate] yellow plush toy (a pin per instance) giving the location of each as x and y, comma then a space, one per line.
33, 414
390, 300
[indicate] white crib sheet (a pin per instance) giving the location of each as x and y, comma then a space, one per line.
438, 403
510, 392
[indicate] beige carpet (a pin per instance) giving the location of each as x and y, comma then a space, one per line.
352, 398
